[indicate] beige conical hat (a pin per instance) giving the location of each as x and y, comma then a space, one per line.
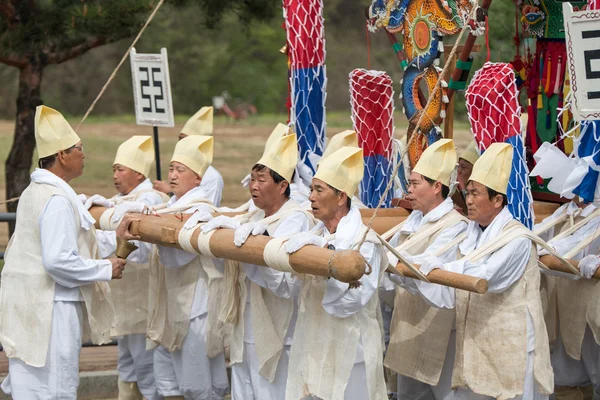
137, 154
494, 166
470, 154
52, 132
339, 140
195, 152
200, 123
281, 155
438, 161
343, 169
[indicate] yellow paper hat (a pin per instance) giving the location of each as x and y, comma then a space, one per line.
337, 141
137, 154
470, 154
195, 152
438, 161
52, 132
200, 123
280, 131
281, 156
494, 166
343, 169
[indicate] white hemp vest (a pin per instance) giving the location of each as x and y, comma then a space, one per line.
171, 295
420, 333
491, 331
130, 293
271, 315
573, 310
324, 348
27, 291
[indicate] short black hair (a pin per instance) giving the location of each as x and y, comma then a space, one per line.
338, 192
445, 189
276, 177
492, 193
48, 161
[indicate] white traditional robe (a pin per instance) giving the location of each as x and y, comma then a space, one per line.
502, 269
135, 363
409, 388
325, 304
59, 377
196, 375
247, 382
569, 371
212, 186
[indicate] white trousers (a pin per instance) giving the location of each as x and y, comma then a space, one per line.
59, 378
248, 384
189, 372
136, 364
571, 372
529, 388
412, 389
357, 385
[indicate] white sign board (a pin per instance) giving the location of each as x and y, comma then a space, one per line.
152, 89
582, 35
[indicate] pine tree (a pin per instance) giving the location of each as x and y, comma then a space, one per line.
38, 33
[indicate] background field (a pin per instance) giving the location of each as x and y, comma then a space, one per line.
238, 145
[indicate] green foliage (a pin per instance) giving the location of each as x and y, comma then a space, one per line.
239, 54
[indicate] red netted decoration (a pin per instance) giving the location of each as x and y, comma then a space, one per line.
372, 104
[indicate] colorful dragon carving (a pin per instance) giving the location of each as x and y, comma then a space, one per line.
422, 24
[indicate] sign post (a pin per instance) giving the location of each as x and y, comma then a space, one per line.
152, 94
582, 34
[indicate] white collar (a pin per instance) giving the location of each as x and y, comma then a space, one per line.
476, 237
416, 219
191, 196
145, 185
347, 230
46, 177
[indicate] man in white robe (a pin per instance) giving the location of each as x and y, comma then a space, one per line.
576, 354
337, 348
502, 346
423, 339
212, 183
135, 365
260, 350
52, 271
183, 365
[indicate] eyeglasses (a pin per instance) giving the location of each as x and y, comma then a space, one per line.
80, 148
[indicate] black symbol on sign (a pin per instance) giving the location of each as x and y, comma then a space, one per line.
157, 83
589, 56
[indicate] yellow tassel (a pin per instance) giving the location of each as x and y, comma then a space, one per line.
548, 73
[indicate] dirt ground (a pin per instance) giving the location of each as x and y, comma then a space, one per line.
237, 147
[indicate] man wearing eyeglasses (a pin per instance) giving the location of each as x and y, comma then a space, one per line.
52, 271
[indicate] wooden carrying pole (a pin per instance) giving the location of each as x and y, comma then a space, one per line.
447, 278
346, 266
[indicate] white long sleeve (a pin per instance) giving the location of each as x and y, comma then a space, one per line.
282, 284
501, 269
340, 300
564, 244
60, 252
212, 186
414, 223
445, 237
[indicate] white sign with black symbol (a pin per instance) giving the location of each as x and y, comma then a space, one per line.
582, 36
152, 89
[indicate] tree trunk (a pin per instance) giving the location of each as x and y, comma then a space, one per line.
18, 163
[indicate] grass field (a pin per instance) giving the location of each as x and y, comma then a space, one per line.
238, 145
